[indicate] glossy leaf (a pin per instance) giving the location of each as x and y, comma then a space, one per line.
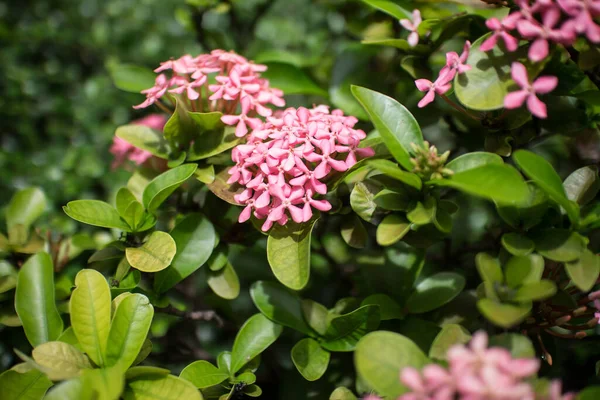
35, 300
131, 78
584, 271
97, 213
391, 229
194, 237
559, 244
521, 270
145, 138
473, 160
167, 387
31, 385
24, 208
344, 332
257, 333
203, 374
517, 244
60, 360
166, 183
224, 282
213, 143
388, 307
582, 185
310, 359
393, 121
90, 314
390, 8
316, 315
154, 255
535, 291
503, 315
435, 291
392, 170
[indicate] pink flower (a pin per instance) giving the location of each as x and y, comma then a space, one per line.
412, 26
582, 13
542, 33
456, 63
285, 161
541, 85
440, 86
123, 150
500, 29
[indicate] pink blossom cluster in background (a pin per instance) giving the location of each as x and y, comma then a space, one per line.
286, 161
476, 372
412, 26
220, 81
123, 150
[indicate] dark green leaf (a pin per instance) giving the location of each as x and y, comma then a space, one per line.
257, 333
310, 359
391, 229
388, 307
517, 244
560, 244
131, 78
344, 332
166, 183
291, 79
435, 291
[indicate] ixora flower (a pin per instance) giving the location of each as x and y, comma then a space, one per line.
286, 161
412, 26
123, 150
220, 81
476, 372
528, 92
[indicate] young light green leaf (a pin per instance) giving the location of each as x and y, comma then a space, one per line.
97, 213
167, 387
362, 200
503, 315
310, 359
379, 358
31, 385
423, 213
535, 291
393, 121
146, 370
213, 143
543, 174
435, 291
90, 314
344, 332
224, 282
123, 200
520, 270
61, 360
166, 183
24, 208
288, 252
316, 315
104, 383
154, 255
342, 393
203, 374
279, 304
391, 229
68, 390
34, 300
584, 271
128, 330
392, 170
257, 333
473, 160
519, 345
450, 335
145, 138
194, 238
8, 277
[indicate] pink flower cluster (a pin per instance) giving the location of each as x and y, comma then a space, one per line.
285, 162
477, 372
123, 150
544, 21
528, 91
455, 64
236, 90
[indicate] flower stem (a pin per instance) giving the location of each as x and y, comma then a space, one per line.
459, 108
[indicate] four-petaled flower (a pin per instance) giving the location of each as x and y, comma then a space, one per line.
528, 92
412, 26
500, 29
440, 86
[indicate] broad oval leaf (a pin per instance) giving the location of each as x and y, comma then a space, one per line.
194, 238
362, 200
224, 190
288, 253
379, 358
310, 359
535, 291
584, 271
503, 315
34, 300
342, 393
396, 125
97, 213
167, 387
154, 255
213, 143
90, 313
543, 174
392, 170
560, 245
224, 282
279, 304
450, 335
316, 315
104, 383
473, 160
354, 233
145, 138
131, 78
388, 307
391, 229
68, 390
435, 291
582, 185
60, 360
520, 270
203, 374
128, 330
517, 244
24, 208
31, 385
257, 333
344, 331
166, 183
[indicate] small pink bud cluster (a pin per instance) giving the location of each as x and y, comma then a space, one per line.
123, 150
237, 83
286, 161
455, 64
544, 21
477, 372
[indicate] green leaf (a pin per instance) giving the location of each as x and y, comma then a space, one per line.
535, 291
127, 283
362, 200
392, 170
391, 229
68, 390
8, 277
218, 258
60, 360
212, 143
224, 282
154, 255
423, 213
450, 335
342, 393
136, 372
316, 315
485, 86
390, 7
518, 345
288, 253
520, 270
526, 215
206, 174
34, 300
90, 313
97, 213
379, 358
203, 374
396, 125
257, 333
279, 304
435, 291
144, 353
180, 129
128, 330
473, 160
543, 174
167, 387
24, 208
291, 80
310, 359
253, 391
560, 245
517, 244
354, 233
208, 121
31, 385
388, 307
344, 332
489, 268
145, 138
589, 393
582, 185
392, 200
131, 78
584, 271
123, 200
503, 315
194, 237
500, 183
106, 383
166, 183
223, 190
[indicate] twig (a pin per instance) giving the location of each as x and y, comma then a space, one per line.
200, 315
